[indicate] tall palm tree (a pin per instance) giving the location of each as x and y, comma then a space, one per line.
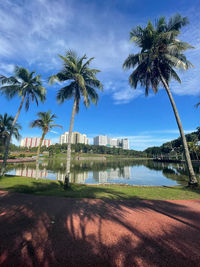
82, 83
160, 54
5, 128
45, 122
29, 88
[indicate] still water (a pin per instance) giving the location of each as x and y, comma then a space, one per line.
134, 172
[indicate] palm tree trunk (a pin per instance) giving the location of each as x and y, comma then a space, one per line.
9, 138
38, 155
192, 178
67, 176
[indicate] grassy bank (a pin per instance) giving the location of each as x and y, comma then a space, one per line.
88, 156
53, 188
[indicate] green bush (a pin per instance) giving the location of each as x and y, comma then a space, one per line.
12, 157
22, 155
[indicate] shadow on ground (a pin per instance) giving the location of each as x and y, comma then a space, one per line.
50, 231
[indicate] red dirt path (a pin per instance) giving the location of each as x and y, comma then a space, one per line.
50, 231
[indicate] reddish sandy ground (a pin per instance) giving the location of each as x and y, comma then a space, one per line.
50, 231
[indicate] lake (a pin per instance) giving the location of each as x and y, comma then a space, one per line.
132, 172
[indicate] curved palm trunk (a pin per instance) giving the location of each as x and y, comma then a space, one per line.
67, 176
192, 178
38, 155
9, 139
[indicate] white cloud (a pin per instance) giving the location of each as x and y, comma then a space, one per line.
124, 96
54, 132
6, 69
169, 131
35, 32
121, 92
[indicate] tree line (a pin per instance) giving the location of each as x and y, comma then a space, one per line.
176, 147
93, 149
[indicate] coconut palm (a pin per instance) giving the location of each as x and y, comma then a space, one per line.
194, 149
5, 128
82, 83
29, 88
160, 54
45, 122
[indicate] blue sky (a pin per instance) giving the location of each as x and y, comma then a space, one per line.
33, 33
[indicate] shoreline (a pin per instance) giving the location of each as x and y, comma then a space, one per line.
19, 160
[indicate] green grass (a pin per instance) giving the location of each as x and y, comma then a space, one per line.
91, 155
53, 188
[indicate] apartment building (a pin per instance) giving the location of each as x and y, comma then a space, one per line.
77, 138
103, 140
30, 142
125, 143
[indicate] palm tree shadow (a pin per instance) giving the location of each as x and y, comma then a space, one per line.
39, 231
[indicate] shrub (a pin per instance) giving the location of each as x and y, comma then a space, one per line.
22, 155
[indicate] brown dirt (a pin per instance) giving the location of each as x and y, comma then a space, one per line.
50, 231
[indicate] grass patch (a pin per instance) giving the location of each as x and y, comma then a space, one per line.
53, 188
91, 155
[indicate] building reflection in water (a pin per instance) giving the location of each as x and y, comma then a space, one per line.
30, 172
99, 176
112, 174
80, 177
74, 178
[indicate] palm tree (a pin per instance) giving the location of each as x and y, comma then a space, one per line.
82, 83
45, 122
29, 88
194, 149
5, 128
160, 54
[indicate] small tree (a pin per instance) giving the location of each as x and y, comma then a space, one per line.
6, 122
45, 122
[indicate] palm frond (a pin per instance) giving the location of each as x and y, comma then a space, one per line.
176, 22
197, 105
10, 90
66, 92
92, 94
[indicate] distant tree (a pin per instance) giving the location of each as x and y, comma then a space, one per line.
194, 149
29, 88
82, 82
45, 122
160, 54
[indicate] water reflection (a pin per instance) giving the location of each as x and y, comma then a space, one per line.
31, 172
138, 172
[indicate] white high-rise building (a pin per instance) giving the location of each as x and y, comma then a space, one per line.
114, 143
64, 138
101, 140
76, 138
125, 143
